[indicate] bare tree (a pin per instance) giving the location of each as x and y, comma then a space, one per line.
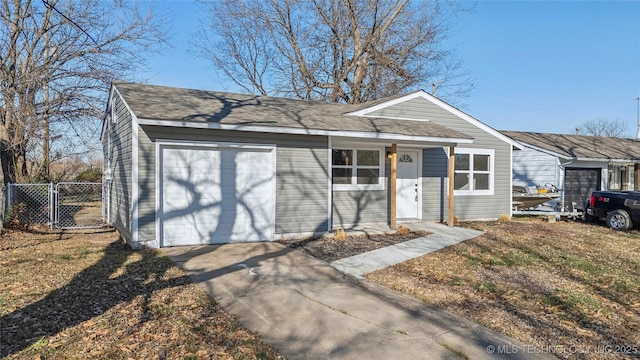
57, 59
346, 51
604, 127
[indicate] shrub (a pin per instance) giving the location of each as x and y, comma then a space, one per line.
90, 175
403, 230
340, 234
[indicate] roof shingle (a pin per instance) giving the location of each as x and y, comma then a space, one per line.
152, 102
580, 146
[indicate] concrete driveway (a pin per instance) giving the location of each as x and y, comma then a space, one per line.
309, 310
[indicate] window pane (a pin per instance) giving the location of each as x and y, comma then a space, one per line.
342, 157
481, 182
341, 176
368, 176
481, 162
368, 157
406, 158
462, 161
461, 182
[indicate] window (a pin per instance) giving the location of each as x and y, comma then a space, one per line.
620, 177
406, 158
473, 172
357, 169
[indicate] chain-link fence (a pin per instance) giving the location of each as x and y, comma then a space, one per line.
65, 205
29, 204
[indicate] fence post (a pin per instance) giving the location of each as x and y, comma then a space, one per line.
3, 206
8, 199
51, 206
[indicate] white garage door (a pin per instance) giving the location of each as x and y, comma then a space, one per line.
213, 195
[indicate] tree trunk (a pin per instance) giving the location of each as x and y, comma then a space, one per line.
7, 161
6, 154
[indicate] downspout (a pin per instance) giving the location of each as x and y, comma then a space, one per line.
562, 166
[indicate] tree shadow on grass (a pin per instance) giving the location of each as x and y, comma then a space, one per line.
89, 294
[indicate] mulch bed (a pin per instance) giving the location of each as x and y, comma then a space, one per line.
330, 249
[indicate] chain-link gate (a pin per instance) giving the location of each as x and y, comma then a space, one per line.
68, 205
78, 205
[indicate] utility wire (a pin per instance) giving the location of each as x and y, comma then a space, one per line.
52, 7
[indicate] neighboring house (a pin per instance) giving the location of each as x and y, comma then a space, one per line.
577, 165
192, 167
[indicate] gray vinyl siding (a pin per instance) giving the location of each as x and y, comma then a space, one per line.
302, 191
301, 175
434, 184
467, 207
351, 208
118, 142
146, 189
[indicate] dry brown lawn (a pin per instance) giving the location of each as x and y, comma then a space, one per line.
81, 296
567, 287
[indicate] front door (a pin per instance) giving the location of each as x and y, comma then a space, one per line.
407, 191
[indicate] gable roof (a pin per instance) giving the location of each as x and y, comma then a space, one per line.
580, 147
390, 101
170, 106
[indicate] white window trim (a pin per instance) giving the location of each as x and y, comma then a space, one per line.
354, 173
492, 170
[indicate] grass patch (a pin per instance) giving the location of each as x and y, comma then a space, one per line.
457, 352
68, 295
563, 284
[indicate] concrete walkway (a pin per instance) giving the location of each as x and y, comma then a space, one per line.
309, 310
441, 236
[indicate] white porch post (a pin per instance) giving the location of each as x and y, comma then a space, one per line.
452, 163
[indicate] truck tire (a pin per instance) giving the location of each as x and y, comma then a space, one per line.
619, 220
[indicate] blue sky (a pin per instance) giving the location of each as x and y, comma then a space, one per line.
538, 66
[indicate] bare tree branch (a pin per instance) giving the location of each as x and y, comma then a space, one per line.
604, 127
57, 60
334, 50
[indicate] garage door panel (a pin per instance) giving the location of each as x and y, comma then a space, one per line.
579, 184
217, 195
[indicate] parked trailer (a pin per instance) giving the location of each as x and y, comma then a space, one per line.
555, 215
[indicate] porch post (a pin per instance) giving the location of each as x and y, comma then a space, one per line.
452, 163
636, 177
394, 170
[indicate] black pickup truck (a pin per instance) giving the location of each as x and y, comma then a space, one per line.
620, 209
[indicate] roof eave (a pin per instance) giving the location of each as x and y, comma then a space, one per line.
299, 131
105, 112
611, 160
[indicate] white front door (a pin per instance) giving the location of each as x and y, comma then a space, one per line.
407, 190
